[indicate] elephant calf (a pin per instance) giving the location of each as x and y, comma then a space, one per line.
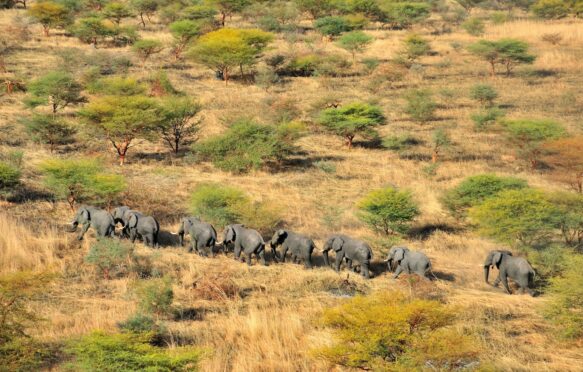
97, 218
299, 246
202, 235
245, 240
408, 261
352, 250
136, 224
515, 268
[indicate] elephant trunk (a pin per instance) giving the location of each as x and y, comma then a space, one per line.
326, 261
73, 226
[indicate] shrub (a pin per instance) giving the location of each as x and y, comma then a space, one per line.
570, 207
387, 331
487, 117
51, 130
247, 145
117, 86
400, 143
526, 216
566, 158
138, 323
100, 351
550, 9
506, 52
420, 105
179, 126
50, 15
355, 42
404, 14
415, 46
474, 26
388, 210
440, 140
28, 354
58, 89
9, 177
332, 26
475, 189
155, 296
106, 188
110, 256
483, 93
552, 38
145, 48
352, 119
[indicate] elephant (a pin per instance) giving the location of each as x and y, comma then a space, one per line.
203, 235
247, 240
97, 218
352, 250
515, 268
300, 246
137, 224
407, 261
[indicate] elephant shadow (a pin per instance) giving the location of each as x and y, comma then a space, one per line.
440, 275
425, 231
168, 239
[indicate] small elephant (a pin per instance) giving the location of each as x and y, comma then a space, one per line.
97, 218
352, 250
203, 235
300, 246
407, 261
515, 268
136, 224
246, 240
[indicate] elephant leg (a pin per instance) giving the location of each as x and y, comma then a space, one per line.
237, 252
212, 250
308, 261
133, 236
201, 246
339, 258
261, 257
249, 257
504, 280
398, 272
364, 270
284, 254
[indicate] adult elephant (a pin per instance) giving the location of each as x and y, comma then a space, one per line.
135, 224
299, 246
99, 219
351, 249
245, 240
515, 268
402, 259
202, 235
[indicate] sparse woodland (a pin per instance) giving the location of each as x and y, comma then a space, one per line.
451, 127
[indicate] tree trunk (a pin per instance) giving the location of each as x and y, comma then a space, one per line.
492, 68
226, 75
122, 150
142, 20
435, 156
46, 30
71, 201
223, 18
349, 140
9, 87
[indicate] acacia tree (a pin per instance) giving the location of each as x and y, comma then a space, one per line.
93, 29
183, 32
566, 157
388, 210
50, 15
145, 48
228, 7
144, 8
506, 52
355, 42
179, 126
58, 89
122, 119
116, 12
353, 119
51, 130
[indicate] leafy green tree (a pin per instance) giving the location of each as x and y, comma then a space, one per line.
404, 14
155, 296
487, 117
247, 145
529, 135
506, 52
550, 9
51, 130
420, 105
483, 93
440, 140
526, 216
474, 26
228, 7
388, 210
117, 86
145, 48
106, 188
315, 8
109, 255
332, 26
570, 206
475, 189
58, 89
68, 178
351, 120
566, 158
183, 32
218, 204
122, 119
50, 15
144, 8
355, 42
227, 48
415, 46
179, 125
116, 12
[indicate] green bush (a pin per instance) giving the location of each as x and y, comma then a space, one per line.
420, 105
332, 26
388, 210
483, 93
317, 65
139, 323
355, 42
111, 257
247, 145
155, 296
51, 130
400, 143
474, 26
127, 352
570, 206
388, 331
27, 354
58, 89
9, 177
117, 86
550, 9
526, 216
486, 117
415, 46
505, 52
404, 14
475, 189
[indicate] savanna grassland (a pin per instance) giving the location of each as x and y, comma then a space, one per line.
232, 317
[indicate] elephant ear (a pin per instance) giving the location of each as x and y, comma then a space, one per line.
281, 233
496, 258
230, 236
85, 214
337, 244
399, 254
133, 221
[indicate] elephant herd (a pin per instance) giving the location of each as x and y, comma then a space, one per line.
249, 242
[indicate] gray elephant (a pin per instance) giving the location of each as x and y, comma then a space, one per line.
352, 250
202, 235
99, 219
245, 240
515, 268
136, 224
299, 246
402, 259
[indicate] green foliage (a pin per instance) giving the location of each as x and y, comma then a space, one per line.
506, 52
353, 119
50, 130
404, 14
317, 65
116, 11
139, 323
400, 143
355, 42
528, 136
550, 9
93, 29
332, 26
570, 206
145, 48
28, 354
57, 89
9, 177
144, 8
388, 331
184, 32
420, 105
474, 26
316, 8
483, 93
415, 46
117, 86
129, 352
487, 117
247, 145
388, 210
475, 189
179, 126
106, 188
526, 216
50, 15
155, 296
110, 256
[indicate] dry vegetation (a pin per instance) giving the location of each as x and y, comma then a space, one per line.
267, 318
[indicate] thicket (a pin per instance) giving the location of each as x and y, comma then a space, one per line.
388, 210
